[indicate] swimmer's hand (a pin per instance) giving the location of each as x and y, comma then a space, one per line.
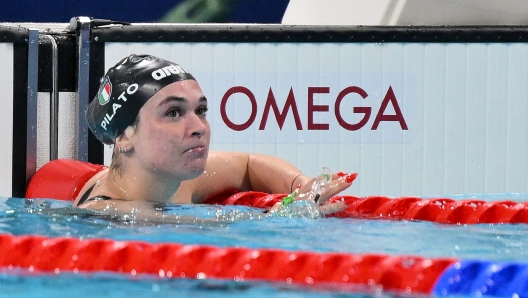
339, 182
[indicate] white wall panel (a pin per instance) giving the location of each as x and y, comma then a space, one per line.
6, 119
517, 107
464, 105
43, 128
67, 123
67, 134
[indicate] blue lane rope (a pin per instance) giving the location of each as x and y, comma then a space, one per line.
484, 278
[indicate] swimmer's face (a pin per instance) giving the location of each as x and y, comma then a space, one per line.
173, 134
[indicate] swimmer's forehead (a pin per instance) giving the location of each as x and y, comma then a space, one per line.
179, 99
175, 93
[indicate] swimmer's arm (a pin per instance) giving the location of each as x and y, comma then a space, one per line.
230, 172
273, 175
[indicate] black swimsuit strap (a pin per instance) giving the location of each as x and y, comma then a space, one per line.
86, 196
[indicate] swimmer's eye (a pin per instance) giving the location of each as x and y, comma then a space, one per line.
174, 113
201, 111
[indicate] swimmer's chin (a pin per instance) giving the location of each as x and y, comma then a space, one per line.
195, 174
194, 171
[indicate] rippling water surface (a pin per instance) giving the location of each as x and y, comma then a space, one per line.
244, 227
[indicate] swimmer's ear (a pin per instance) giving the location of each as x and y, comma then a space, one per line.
125, 140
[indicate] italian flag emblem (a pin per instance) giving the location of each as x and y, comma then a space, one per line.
105, 91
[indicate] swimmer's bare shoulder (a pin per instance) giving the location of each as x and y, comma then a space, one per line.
90, 184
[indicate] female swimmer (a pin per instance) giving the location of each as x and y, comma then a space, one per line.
154, 114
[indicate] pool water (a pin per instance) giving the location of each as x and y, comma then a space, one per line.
248, 227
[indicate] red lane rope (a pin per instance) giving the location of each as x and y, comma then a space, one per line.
440, 210
412, 274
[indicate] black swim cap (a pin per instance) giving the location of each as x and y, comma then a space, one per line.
124, 89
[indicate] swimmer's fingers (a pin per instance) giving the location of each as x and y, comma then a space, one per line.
332, 207
340, 182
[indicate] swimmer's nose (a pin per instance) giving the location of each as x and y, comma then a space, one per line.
198, 125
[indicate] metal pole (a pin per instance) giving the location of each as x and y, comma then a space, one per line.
54, 105
32, 95
83, 26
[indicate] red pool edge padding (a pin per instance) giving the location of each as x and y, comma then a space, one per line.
411, 274
61, 179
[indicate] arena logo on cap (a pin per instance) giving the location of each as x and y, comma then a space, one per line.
161, 73
105, 91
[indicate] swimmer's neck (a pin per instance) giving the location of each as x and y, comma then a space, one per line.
143, 187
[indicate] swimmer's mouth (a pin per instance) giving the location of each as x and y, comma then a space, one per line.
195, 149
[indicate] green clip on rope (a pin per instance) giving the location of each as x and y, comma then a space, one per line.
287, 200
